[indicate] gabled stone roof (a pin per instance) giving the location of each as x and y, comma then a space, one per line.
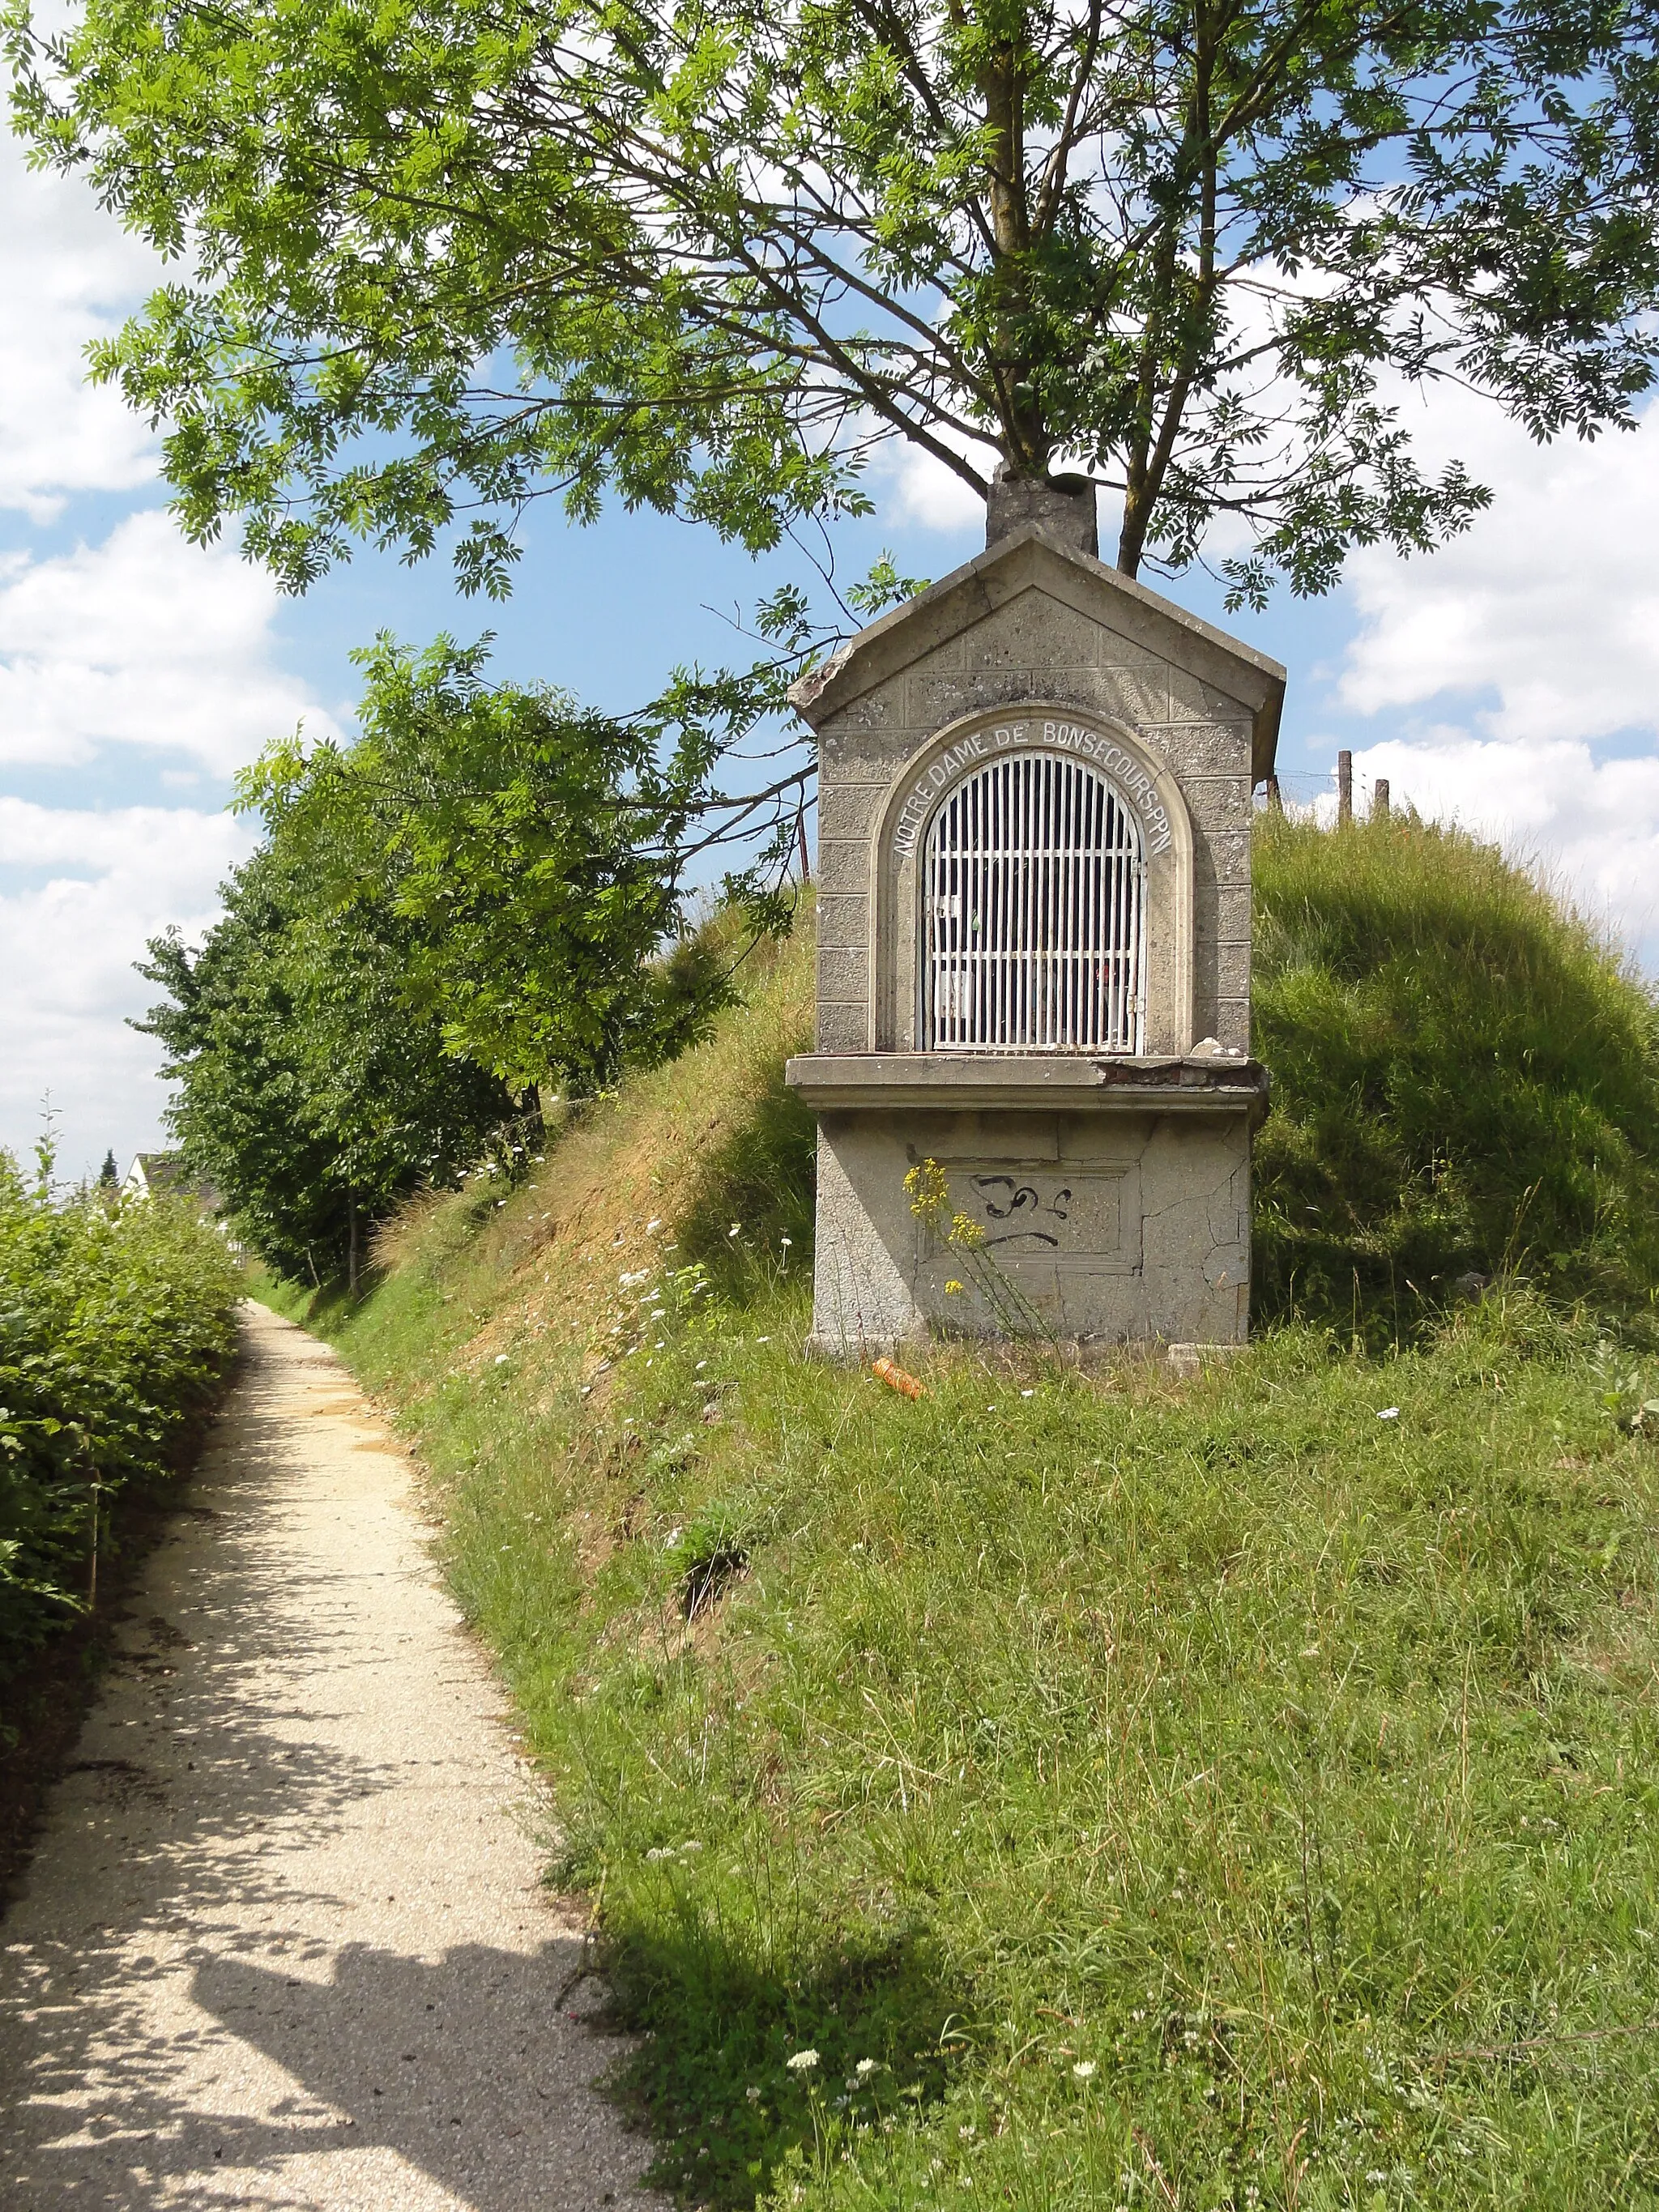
1032, 557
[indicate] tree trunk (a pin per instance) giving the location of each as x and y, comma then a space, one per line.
1002, 88
351, 1245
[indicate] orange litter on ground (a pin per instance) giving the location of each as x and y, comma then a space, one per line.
895, 1379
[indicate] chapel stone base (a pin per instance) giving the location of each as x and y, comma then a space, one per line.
1113, 1197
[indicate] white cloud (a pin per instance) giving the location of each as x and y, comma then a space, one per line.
924, 492
68, 274
139, 641
1531, 641
1547, 612
146, 641
96, 887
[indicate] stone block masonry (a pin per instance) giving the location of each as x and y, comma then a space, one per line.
1043, 997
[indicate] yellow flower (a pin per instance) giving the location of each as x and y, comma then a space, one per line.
952, 1288
929, 1190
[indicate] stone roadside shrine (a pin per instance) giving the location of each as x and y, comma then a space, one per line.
1034, 951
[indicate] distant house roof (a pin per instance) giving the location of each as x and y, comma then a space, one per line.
154, 1172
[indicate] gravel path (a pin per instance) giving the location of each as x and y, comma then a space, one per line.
283, 1943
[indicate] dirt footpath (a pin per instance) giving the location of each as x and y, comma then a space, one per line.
283, 1943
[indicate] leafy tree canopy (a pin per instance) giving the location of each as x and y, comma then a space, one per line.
475, 906
529, 850
439, 258
306, 1089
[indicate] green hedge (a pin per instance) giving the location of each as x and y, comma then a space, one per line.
116, 1321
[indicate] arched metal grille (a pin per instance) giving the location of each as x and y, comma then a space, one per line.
1034, 905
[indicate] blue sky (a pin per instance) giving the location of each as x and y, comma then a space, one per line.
1512, 681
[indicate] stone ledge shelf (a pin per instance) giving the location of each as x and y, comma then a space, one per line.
1191, 1084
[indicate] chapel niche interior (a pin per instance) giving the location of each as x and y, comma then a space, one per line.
1033, 913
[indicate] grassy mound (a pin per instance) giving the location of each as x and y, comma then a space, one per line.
1465, 1079
1055, 1792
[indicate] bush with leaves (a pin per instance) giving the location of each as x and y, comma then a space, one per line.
116, 1322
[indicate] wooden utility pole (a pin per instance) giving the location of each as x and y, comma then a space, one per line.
1380, 799
1344, 788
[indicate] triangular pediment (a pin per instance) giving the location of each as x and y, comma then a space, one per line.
1031, 559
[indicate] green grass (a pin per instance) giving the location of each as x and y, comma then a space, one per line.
1465, 1079
1236, 1792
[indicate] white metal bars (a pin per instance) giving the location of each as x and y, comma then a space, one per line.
1033, 913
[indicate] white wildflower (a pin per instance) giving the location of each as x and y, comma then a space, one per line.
1085, 2069
803, 2062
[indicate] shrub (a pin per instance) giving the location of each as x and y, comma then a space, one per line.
115, 1322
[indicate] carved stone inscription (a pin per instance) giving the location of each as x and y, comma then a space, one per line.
1050, 736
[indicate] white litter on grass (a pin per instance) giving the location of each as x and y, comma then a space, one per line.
501, 1358
1389, 1414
